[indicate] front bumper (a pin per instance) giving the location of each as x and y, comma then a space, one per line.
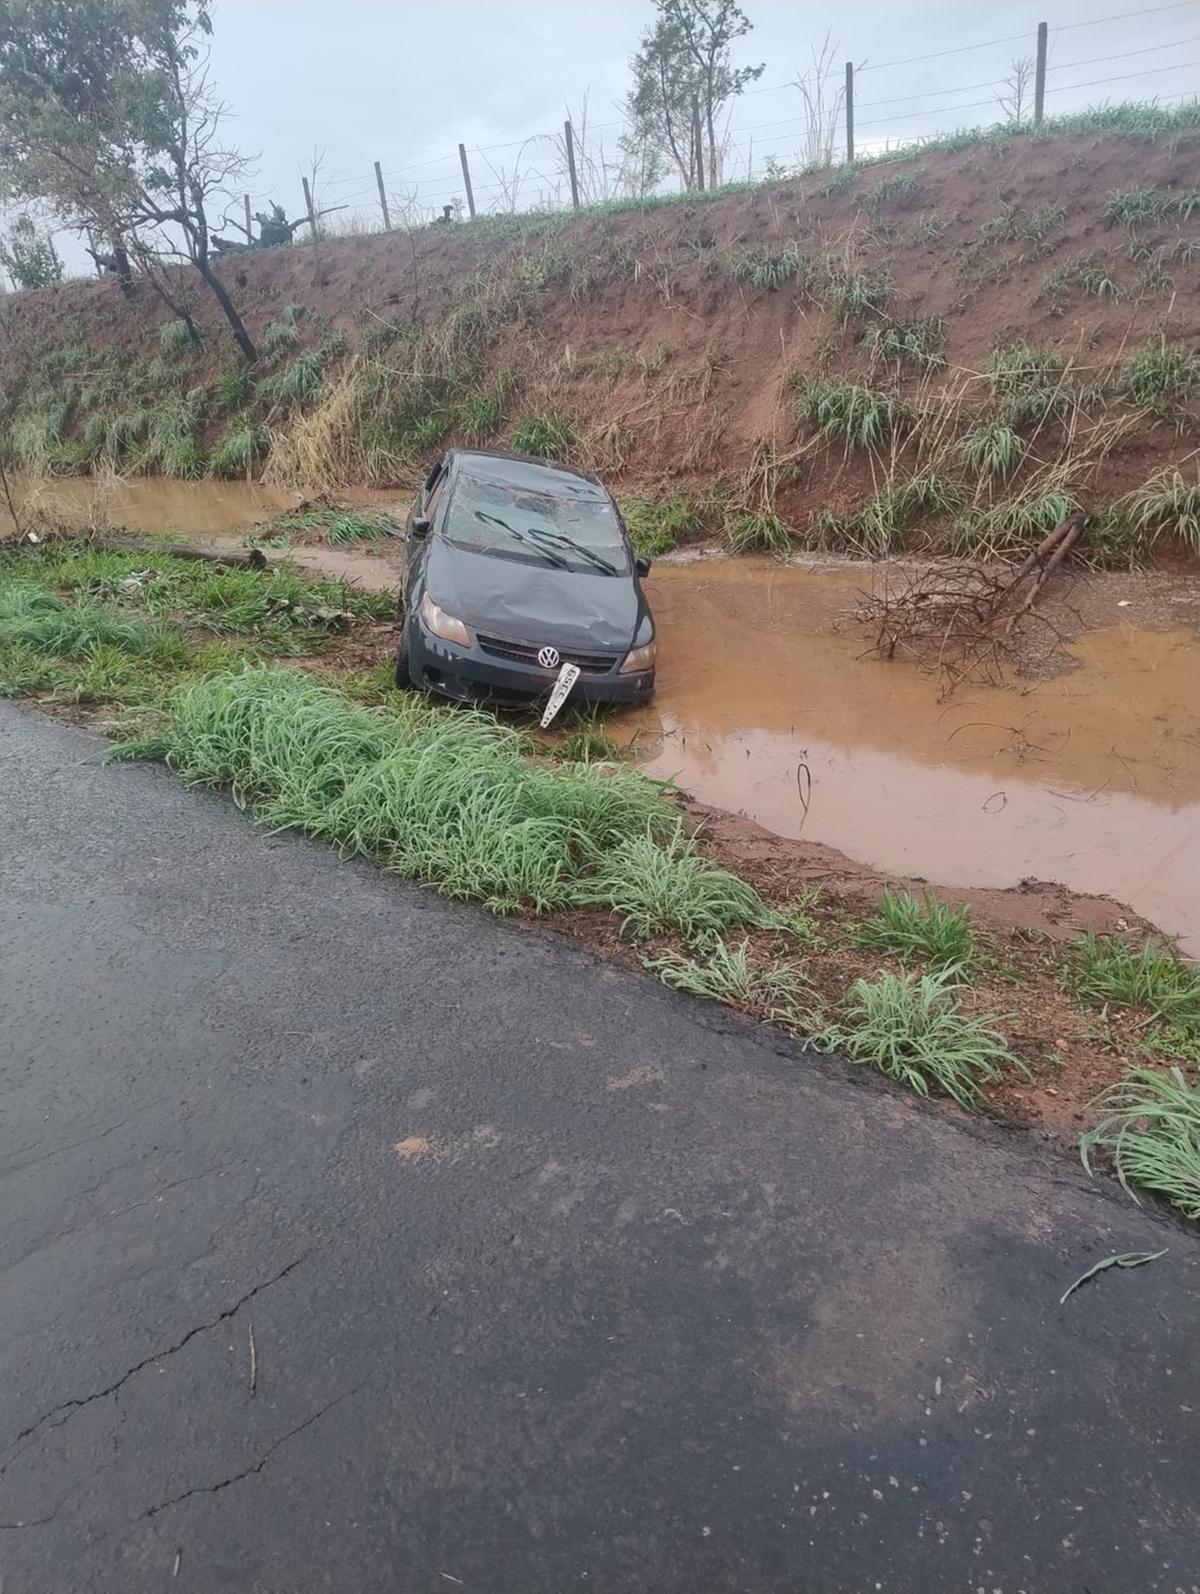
471, 673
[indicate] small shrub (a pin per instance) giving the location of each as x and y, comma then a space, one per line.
912, 1029
860, 417
545, 436
656, 525
992, 448
1168, 504
1151, 1130
728, 975
911, 927
29, 255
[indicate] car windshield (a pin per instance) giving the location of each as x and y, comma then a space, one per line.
563, 522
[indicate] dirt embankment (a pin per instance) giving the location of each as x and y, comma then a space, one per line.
645, 332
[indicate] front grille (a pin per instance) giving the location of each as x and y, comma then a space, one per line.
527, 653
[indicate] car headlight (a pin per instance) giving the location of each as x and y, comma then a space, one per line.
438, 623
640, 659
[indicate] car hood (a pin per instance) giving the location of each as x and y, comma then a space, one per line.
523, 602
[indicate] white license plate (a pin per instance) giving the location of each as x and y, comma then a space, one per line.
567, 677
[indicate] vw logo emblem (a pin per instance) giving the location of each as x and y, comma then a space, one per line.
548, 658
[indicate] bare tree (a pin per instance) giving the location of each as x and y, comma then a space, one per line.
1016, 100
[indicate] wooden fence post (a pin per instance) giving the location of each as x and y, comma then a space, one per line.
1039, 80
569, 135
308, 202
462, 155
249, 229
849, 111
383, 204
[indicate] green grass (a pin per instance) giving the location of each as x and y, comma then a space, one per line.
992, 448
35, 618
445, 797
1089, 273
757, 532
1142, 203
659, 888
924, 929
761, 267
1012, 222
278, 337
912, 1028
243, 446
545, 436
1151, 1130
855, 295
1167, 505
1007, 526
727, 974
1027, 383
1111, 541
298, 383
481, 414
859, 416
898, 187
232, 390
913, 342
1160, 376
926, 228
1110, 973
656, 525
174, 337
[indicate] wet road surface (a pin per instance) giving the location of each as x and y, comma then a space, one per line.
355, 1241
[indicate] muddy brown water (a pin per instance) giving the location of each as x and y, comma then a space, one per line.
1091, 778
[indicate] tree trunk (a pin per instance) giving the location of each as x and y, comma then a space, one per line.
697, 144
236, 324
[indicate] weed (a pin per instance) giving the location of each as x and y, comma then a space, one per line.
1169, 503
1109, 972
278, 337
1111, 541
1002, 527
343, 527
24, 668
728, 975
992, 448
1151, 1129
899, 187
1012, 222
481, 414
175, 337
656, 525
760, 531
762, 267
1028, 383
912, 1028
34, 617
1086, 272
909, 927
1160, 376
917, 342
657, 889
854, 295
232, 389
587, 742
926, 228
545, 436
860, 417
243, 446
1132, 206
298, 383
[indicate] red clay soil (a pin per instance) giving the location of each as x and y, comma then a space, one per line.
719, 353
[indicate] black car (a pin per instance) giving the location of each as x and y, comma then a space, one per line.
516, 567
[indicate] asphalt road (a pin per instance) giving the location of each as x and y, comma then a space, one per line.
355, 1241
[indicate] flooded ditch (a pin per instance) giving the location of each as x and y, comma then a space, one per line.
767, 708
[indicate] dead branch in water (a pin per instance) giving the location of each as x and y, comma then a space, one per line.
960, 618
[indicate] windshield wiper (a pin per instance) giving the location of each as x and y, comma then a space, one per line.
576, 547
519, 536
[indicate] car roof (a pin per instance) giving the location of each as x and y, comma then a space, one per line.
522, 470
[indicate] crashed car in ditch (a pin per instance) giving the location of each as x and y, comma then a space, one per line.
521, 579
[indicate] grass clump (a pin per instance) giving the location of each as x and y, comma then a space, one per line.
298, 383
1141, 203
912, 1028
759, 531
33, 617
761, 267
855, 295
1151, 1130
545, 436
899, 187
861, 417
727, 975
915, 342
922, 928
244, 445
278, 337
992, 448
1160, 376
926, 228
175, 337
1168, 504
232, 390
657, 889
656, 525
1109, 972
1027, 383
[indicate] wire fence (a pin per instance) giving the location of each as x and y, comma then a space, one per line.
581, 162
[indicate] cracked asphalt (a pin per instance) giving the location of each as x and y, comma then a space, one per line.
355, 1241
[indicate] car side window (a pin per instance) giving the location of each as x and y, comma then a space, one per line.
434, 498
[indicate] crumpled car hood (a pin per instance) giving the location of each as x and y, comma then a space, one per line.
531, 603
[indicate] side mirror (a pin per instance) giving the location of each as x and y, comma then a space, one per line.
642, 565
420, 526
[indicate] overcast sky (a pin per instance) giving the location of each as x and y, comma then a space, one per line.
403, 83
